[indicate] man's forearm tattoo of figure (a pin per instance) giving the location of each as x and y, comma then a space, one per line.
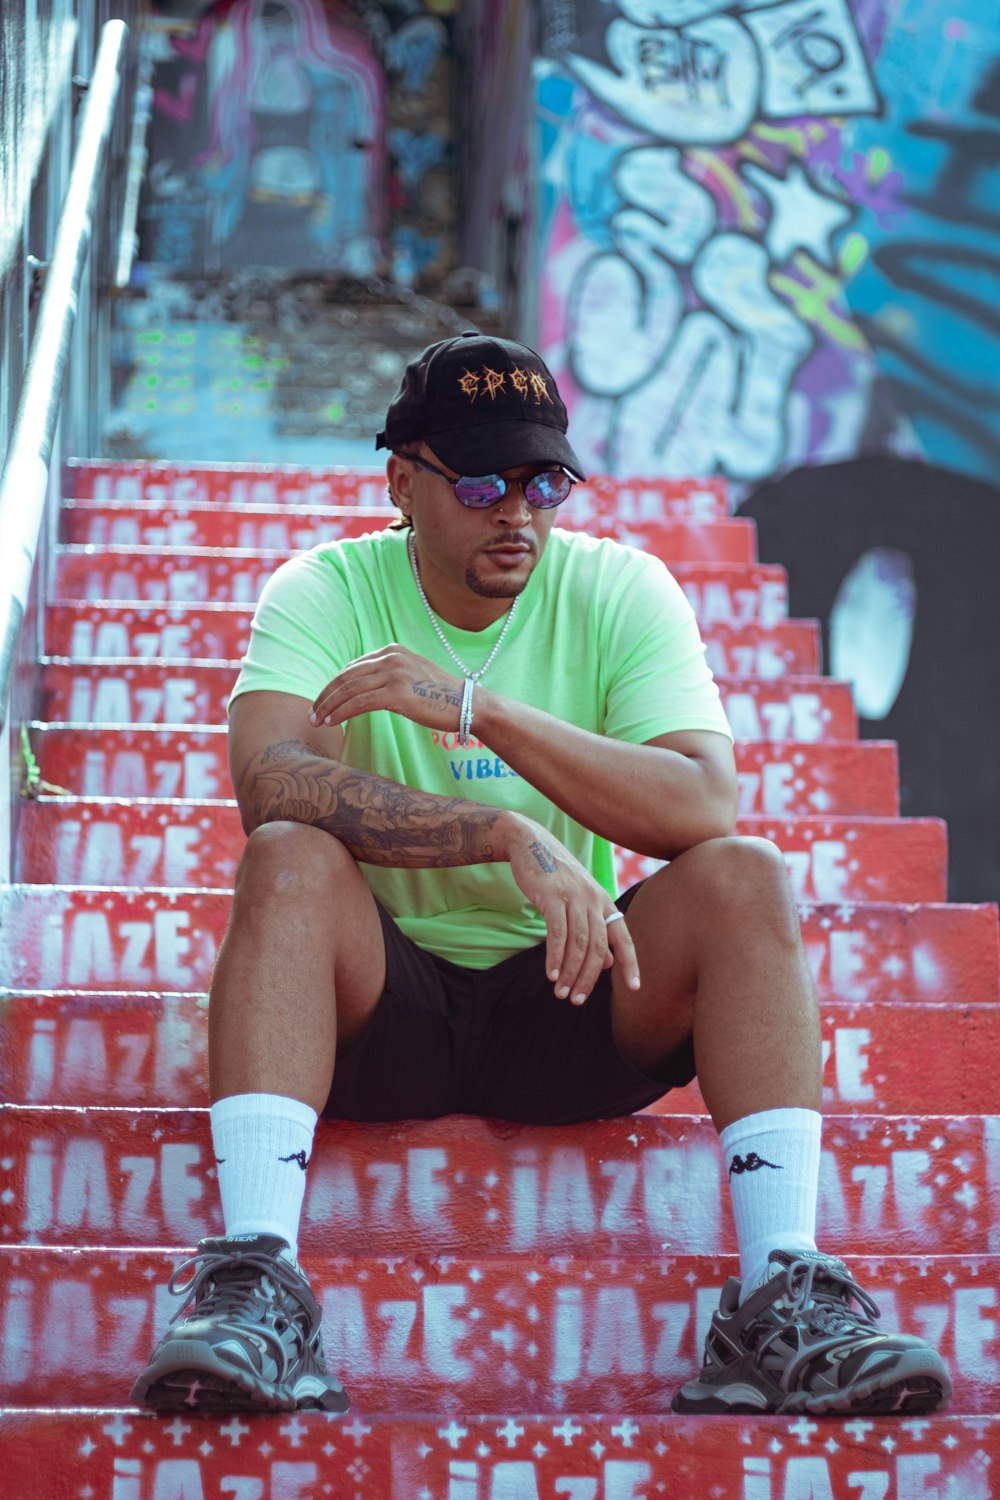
378, 820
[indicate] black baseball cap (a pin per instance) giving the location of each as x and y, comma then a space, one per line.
482, 405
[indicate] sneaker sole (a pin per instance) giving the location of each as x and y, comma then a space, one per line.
906, 1398
917, 1392
194, 1379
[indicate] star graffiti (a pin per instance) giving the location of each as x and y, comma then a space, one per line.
802, 217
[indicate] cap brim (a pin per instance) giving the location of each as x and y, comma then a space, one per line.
494, 446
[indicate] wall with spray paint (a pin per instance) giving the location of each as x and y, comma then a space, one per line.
785, 219
308, 134
770, 247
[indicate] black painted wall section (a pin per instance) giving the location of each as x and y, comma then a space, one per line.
820, 522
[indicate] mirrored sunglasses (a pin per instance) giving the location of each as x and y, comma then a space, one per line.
542, 491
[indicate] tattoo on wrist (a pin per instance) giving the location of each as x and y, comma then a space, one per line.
436, 692
543, 854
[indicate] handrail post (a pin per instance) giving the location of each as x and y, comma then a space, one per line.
24, 481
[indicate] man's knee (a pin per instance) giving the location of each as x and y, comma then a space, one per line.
734, 875
293, 862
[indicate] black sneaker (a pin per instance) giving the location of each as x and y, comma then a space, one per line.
251, 1340
798, 1344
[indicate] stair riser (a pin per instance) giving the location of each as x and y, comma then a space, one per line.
126, 1456
521, 1335
462, 1186
146, 1051
842, 860
720, 593
630, 499
70, 841
102, 524
809, 709
166, 940
99, 940
179, 632
784, 780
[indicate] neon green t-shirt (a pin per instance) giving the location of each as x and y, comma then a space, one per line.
604, 638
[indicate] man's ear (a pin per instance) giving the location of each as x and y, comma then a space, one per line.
400, 477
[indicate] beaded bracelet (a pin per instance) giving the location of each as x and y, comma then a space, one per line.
465, 715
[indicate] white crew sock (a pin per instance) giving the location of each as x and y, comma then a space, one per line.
262, 1147
773, 1163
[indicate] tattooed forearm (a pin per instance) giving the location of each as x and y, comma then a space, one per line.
380, 821
285, 748
543, 854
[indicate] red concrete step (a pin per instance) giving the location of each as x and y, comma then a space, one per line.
143, 1049
729, 593
784, 780
204, 523
100, 937
842, 859
180, 632
557, 1456
96, 937
649, 1185
514, 1333
142, 842
633, 499
810, 709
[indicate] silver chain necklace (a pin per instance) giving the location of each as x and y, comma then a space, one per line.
472, 676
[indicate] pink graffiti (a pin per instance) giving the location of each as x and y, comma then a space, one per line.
179, 106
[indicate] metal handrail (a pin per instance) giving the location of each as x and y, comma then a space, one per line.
138, 155
25, 477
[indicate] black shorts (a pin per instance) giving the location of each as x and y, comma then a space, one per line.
493, 1042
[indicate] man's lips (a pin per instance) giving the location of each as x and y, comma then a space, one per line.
512, 552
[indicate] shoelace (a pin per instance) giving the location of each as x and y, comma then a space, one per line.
227, 1294
831, 1315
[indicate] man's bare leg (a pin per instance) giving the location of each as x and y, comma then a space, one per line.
717, 937
303, 959
302, 963
300, 973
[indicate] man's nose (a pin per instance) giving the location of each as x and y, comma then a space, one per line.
514, 508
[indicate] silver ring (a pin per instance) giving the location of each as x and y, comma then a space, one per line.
616, 916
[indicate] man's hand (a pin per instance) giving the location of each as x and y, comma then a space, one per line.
396, 679
579, 943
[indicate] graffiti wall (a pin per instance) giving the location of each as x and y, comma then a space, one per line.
759, 220
422, 188
307, 134
927, 298
770, 249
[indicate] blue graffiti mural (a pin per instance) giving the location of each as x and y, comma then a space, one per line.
795, 146
928, 296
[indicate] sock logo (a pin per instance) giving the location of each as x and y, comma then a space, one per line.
752, 1163
297, 1156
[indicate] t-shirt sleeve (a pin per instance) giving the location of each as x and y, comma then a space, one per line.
303, 632
658, 679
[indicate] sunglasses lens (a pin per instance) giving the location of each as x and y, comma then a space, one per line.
548, 489
484, 490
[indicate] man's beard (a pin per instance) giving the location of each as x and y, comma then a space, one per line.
504, 586
497, 588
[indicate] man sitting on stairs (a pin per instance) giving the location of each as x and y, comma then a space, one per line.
438, 733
